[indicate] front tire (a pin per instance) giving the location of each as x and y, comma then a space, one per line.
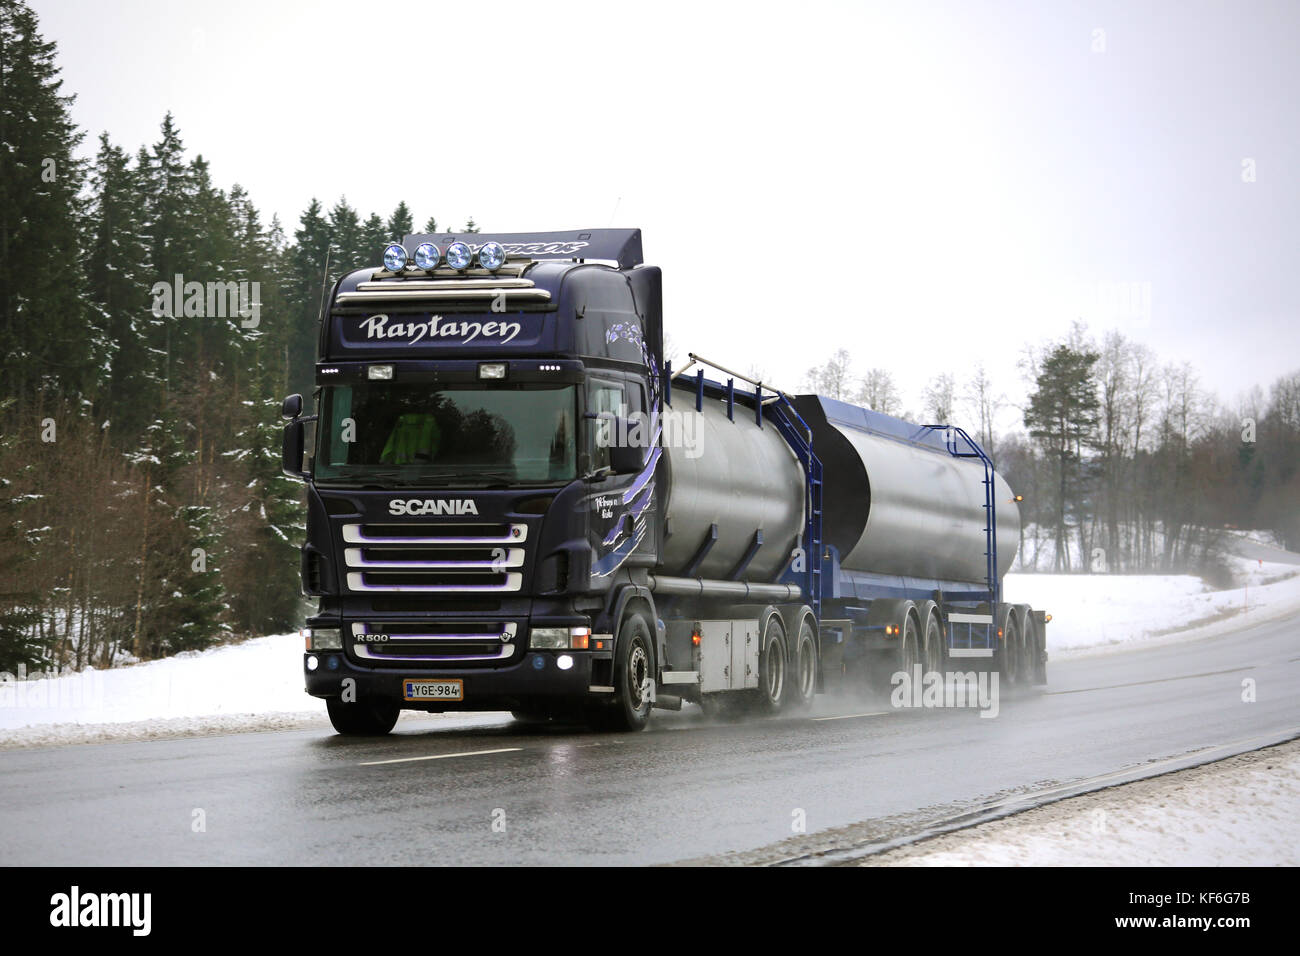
362, 718
634, 675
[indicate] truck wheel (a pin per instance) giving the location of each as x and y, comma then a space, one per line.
934, 644
362, 718
804, 687
773, 686
634, 673
1013, 652
902, 659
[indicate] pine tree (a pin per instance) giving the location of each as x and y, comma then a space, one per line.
118, 273
431, 226
349, 240
1062, 415
470, 225
401, 223
168, 197
307, 285
43, 303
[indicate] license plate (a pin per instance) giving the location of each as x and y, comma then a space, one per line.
433, 690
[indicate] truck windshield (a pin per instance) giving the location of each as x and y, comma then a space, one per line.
398, 435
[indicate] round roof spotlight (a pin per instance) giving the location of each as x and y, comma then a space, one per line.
395, 257
427, 256
492, 256
459, 256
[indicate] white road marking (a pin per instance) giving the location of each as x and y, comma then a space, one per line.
874, 713
464, 753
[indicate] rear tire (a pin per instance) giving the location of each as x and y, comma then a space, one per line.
934, 649
773, 672
903, 658
804, 677
1013, 652
362, 718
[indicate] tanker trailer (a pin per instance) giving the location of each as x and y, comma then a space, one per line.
900, 533
514, 503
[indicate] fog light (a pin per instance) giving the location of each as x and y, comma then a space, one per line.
427, 256
459, 256
564, 662
313, 662
492, 370
492, 256
379, 372
395, 257
332, 662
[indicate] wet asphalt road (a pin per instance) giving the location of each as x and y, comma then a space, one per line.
684, 790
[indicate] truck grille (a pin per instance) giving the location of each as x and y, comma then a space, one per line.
434, 556
433, 642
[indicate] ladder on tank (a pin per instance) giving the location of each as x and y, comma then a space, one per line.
951, 435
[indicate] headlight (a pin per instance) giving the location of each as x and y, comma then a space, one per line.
559, 638
325, 639
492, 256
395, 257
427, 256
459, 256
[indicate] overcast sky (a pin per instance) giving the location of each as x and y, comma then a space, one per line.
926, 184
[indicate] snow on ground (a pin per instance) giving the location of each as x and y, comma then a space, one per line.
1095, 613
1234, 812
257, 685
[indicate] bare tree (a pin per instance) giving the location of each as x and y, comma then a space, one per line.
940, 398
834, 379
984, 403
879, 393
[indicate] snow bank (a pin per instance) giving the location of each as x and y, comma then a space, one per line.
1235, 812
1100, 612
256, 685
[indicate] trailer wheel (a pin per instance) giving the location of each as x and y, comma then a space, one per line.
773, 683
362, 718
902, 658
804, 688
1013, 652
934, 644
634, 675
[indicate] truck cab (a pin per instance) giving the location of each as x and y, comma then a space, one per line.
471, 528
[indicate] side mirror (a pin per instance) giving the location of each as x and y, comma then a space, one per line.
626, 459
291, 408
291, 454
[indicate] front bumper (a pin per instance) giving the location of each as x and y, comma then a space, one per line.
535, 681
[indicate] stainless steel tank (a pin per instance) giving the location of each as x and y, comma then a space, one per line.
736, 475
896, 502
